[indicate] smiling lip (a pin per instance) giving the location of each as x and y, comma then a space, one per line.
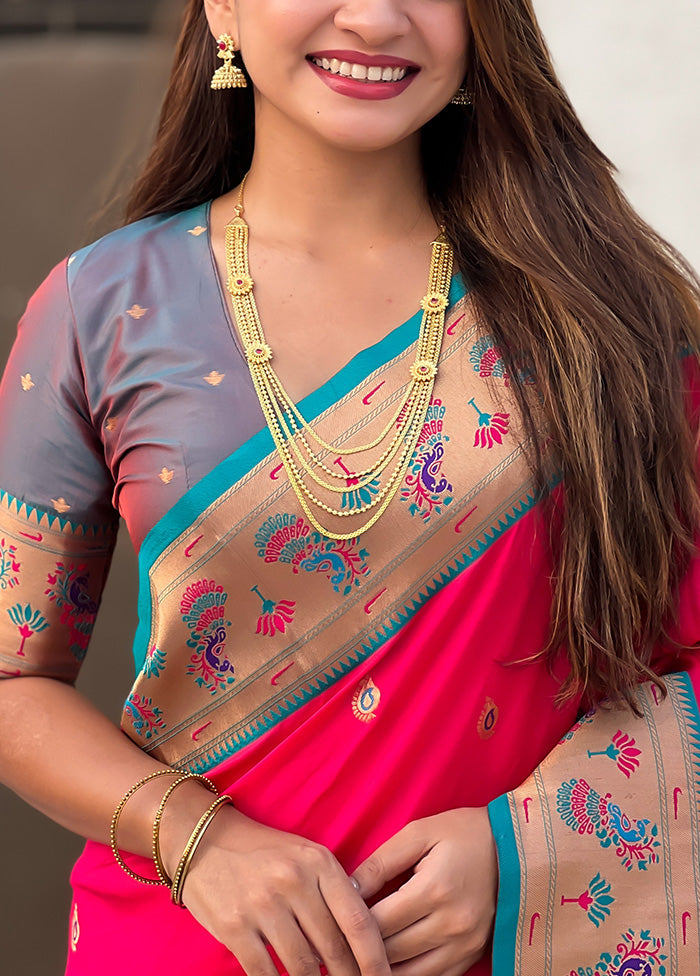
363, 90
369, 60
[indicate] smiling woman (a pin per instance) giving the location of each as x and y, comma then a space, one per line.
398, 399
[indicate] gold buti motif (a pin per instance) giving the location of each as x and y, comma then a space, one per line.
166, 475
27, 382
136, 312
423, 370
214, 378
197, 231
61, 505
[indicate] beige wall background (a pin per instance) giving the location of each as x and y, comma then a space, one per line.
75, 117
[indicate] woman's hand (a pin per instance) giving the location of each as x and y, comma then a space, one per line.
439, 922
251, 886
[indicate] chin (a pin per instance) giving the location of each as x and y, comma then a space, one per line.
366, 138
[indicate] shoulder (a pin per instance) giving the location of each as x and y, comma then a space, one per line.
144, 238
166, 248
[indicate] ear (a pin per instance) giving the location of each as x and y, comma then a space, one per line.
222, 18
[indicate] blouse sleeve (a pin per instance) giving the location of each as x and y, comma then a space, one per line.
57, 523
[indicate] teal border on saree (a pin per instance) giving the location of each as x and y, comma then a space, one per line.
54, 522
201, 495
688, 703
509, 887
219, 754
513, 874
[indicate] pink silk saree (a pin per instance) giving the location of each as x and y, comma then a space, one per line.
335, 690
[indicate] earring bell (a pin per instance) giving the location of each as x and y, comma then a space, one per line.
461, 97
228, 75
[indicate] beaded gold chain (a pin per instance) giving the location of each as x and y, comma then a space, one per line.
290, 431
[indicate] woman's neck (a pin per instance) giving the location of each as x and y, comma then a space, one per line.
318, 198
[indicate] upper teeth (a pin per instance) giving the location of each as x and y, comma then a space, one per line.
360, 72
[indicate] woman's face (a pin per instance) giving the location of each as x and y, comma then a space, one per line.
361, 74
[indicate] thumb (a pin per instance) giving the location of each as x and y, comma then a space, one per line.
394, 857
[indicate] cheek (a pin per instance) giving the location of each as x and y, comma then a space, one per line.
281, 25
448, 30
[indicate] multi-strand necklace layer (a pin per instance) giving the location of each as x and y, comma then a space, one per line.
292, 434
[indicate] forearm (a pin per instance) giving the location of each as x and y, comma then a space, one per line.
61, 755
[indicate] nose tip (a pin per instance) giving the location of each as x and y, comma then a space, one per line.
375, 21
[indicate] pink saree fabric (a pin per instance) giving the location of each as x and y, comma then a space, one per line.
450, 734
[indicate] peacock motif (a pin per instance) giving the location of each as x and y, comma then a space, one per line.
68, 589
203, 610
486, 358
426, 488
635, 955
286, 538
587, 812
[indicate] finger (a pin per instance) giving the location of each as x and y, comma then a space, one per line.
435, 962
415, 940
325, 936
253, 956
357, 925
291, 945
402, 908
394, 856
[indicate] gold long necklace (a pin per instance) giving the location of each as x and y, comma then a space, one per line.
291, 433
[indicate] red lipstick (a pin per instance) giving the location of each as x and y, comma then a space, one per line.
358, 87
369, 60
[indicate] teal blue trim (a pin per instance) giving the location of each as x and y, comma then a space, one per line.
324, 681
49, 519
689, 704
191, 505
509, 888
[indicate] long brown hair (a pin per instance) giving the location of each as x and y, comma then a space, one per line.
577, 291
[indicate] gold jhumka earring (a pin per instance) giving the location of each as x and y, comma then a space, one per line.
228, 75
461, 97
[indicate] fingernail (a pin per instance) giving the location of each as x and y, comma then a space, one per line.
355, 884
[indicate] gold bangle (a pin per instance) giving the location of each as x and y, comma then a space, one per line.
115, 824
157, 857
192, 844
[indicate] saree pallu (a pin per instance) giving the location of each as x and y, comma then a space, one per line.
337, 690
340, 690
